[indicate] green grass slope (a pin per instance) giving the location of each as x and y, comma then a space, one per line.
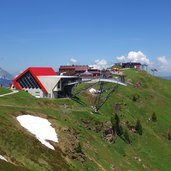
4, 90
81, 146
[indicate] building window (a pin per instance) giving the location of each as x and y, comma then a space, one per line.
37, 94
28, 81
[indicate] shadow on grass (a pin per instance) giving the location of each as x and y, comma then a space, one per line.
77, 100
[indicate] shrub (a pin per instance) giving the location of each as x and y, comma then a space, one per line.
119, 130
138, 127
116, 127
135, 97
169, 135
78, 149
154, 117
115, 120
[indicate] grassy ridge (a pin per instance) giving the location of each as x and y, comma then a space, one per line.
151, 151
4, 90
154, 95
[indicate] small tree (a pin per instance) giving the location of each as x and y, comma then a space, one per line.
169, 135
117, 128
134, 98
117, 119
78, 148
138, 127
154, 117
126, 136
112, 120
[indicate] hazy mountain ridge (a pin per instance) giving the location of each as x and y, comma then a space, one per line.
167, 77
5, 77
5, 82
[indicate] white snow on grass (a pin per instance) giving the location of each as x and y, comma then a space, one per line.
92, 90
40, 127
3, 158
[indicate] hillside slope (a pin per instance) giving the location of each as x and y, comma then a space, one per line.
83, 144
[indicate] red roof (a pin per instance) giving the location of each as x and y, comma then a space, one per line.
38, 71
35, 71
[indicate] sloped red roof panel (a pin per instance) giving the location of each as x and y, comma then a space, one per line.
42, 71
17, 85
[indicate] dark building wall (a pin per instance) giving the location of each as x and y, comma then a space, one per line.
73, 69
129, 65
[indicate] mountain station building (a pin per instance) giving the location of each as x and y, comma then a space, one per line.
43, 82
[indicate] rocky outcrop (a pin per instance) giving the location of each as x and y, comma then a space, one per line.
108, 133
72, 147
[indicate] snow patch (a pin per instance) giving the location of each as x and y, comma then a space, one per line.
3, 158
92, 90
40, 127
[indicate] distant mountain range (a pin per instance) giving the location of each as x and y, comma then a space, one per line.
167, 77
5, 82
5, 77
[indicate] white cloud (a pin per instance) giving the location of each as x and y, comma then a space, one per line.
121, 58
164, 65
100, 64
134, 57
162, 60
73, 61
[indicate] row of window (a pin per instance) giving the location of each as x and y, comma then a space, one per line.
27, 81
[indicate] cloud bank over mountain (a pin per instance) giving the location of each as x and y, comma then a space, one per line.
134, 57
162, 63
100, 64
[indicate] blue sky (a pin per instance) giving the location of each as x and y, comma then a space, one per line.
58, 32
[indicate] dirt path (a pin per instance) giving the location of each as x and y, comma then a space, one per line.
97, 164
7, 94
